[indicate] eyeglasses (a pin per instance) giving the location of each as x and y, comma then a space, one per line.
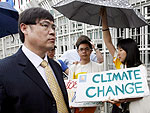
46, 25
87, 49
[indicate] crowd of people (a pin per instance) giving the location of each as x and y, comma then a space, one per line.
32, 80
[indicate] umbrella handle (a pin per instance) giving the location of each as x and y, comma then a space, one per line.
100, 22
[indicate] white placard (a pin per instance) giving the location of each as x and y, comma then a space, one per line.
113, 84
71, 86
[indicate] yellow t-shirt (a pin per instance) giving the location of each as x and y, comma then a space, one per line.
91, 67
117, 62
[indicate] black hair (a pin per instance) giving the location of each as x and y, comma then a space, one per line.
133, 54
84, 42
31, 16
82, 37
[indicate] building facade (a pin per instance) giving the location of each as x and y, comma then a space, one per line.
68, 31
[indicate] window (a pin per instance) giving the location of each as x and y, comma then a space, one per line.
148, 36
120, 32
62, 49
149, 56
148, 10
99, 46
65, 48
21, 2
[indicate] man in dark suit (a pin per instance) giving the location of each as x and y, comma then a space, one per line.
24, 87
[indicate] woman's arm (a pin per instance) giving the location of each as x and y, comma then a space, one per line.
106, 32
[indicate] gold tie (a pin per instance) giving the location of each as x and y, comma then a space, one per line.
55, 89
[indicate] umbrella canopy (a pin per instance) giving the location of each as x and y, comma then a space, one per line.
8, 20
120, 13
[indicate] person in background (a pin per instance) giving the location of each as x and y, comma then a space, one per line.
84, 49
51, 54
71, 56
27, 77
127, 56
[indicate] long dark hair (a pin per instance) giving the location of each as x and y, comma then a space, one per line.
133, 54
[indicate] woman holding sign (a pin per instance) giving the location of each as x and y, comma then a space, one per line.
127, 56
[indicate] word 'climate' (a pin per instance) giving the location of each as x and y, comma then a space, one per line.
132, 84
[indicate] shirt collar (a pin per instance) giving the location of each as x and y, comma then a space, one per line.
34, 58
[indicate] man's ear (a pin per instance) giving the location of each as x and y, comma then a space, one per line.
23, 28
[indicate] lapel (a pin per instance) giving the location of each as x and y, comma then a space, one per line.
31, 71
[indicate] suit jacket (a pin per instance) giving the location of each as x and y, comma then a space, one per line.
23, 90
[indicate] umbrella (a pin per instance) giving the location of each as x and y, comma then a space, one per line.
120, 13
8, 20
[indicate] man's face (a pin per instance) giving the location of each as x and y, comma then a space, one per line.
41, 36
84, 51
51, 53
